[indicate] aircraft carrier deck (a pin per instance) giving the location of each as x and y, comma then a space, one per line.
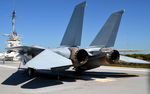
102, 80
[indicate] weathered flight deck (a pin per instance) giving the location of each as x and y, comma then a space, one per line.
104, 80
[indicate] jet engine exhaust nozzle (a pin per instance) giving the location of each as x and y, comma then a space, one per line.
78, 56
113, 56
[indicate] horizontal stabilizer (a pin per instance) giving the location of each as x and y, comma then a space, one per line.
72, 36
132, 60
48, 60
130, 50
107, 35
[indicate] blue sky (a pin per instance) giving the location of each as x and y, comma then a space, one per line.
43, 22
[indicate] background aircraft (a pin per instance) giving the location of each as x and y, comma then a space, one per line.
68, 54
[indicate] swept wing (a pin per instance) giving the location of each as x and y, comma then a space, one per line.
47, 60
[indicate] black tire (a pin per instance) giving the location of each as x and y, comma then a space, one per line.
79, 71
31, 72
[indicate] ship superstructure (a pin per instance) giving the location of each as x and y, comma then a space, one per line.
13, 41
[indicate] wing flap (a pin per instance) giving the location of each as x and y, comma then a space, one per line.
48, 60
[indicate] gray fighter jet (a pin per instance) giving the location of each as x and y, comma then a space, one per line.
68, 54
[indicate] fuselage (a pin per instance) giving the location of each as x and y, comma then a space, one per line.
94, 58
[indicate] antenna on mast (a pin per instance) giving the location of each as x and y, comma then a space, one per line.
14, 3
13, 16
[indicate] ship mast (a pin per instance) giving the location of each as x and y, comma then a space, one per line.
14, 39
13, 20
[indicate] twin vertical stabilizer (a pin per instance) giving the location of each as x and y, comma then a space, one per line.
72, 36
107, 35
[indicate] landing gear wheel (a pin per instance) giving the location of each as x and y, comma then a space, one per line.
31, 72
79, 71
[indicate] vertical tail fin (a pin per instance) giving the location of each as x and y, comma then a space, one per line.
107, 35
72, 36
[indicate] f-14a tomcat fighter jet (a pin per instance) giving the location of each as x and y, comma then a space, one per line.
68, 54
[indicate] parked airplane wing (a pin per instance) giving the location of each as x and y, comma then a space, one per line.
47, 60
29, 50
25, 48
72, 36
107, 35
132, 60
130, 50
